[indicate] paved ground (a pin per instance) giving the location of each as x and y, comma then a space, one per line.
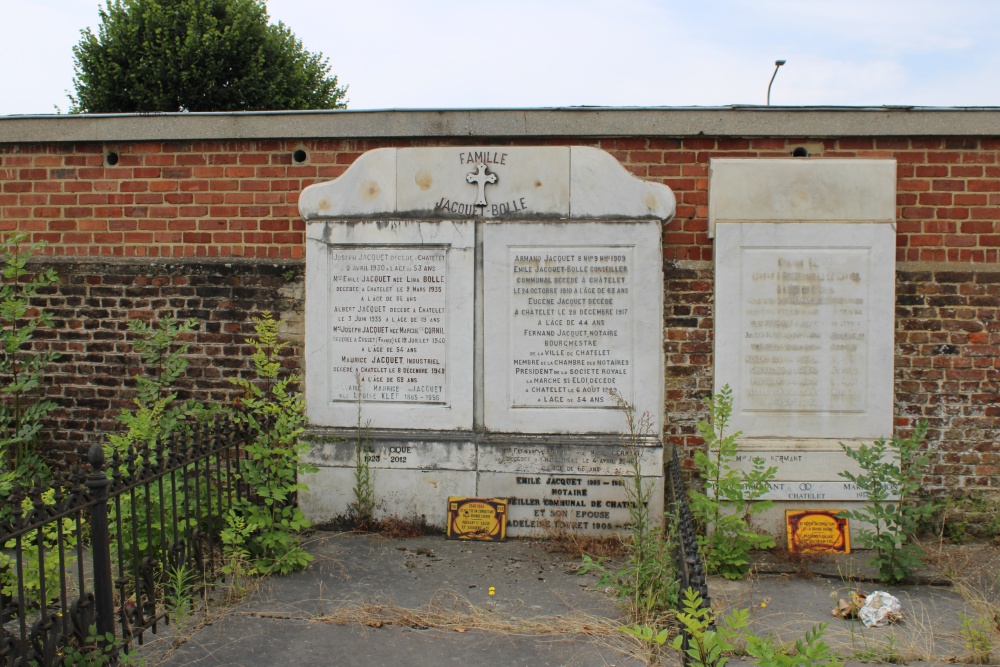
372, 601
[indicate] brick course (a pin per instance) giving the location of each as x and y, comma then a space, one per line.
238, 199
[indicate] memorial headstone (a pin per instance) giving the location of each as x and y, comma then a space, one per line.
468, 313
805, 305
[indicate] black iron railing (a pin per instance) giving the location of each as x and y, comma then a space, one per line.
689, 566
91, 555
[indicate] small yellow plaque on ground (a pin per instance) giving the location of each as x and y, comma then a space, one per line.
477, 519
817, 531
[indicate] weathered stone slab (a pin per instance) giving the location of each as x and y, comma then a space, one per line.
572, 311
804, 328
799, 460
402, 493
399, 452
798, 190
390, 306
541, 504
576, 459
501, 182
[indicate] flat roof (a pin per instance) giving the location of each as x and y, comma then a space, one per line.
731, 121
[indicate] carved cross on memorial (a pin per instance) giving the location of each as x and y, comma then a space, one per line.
481, 178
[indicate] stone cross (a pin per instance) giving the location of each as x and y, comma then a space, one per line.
481, 178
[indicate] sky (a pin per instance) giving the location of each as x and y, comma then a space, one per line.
444, 54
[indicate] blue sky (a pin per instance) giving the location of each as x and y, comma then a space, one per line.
543, 53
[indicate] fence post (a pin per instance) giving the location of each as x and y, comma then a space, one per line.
98, 482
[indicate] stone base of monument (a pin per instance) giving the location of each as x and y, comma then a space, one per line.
554, 484
807, 478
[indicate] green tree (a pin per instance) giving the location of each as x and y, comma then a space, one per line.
197, 55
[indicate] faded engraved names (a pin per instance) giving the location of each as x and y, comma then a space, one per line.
805, 330
388, 324
571, 325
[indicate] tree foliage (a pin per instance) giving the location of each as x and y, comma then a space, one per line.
197, 55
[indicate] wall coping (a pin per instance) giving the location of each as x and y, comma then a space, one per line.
576, 122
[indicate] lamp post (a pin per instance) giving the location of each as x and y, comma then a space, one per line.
777, 64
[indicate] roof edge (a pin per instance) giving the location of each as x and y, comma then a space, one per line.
734, 121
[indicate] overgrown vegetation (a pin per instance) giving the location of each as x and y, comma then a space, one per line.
362, 508
155, 416
708, 641
646, 584
32, 562
22, 367
724, 510
976, 633
265, 527
890, 468
157, 412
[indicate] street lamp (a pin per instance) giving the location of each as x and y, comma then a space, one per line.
777, 64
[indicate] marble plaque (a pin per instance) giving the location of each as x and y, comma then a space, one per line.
540, 504
395, 453
578, 459
804, 328
570, 321
813, 491
389, 308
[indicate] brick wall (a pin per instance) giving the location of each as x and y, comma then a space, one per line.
236, 201
93, 379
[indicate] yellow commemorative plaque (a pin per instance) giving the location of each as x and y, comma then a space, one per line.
817, 531
477, 519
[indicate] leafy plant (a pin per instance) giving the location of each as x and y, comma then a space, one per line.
97, 651
157, 413
177, 596
362, 509
22, 367
725, 509
976, 632
888, 467
275, 415
808, 651
707, 644
647, 582
32, 564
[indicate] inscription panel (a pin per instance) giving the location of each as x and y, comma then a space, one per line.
804, 328
571, 459
585, 504
571, 320
389, 308
818, 491
389, 325
563, 327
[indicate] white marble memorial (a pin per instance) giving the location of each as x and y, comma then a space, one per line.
804, 331
804, 317
568, 321
483, 301
389, 309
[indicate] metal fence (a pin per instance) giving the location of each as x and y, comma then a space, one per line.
98, 549
689, 565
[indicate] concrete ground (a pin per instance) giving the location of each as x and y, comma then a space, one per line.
372, 601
